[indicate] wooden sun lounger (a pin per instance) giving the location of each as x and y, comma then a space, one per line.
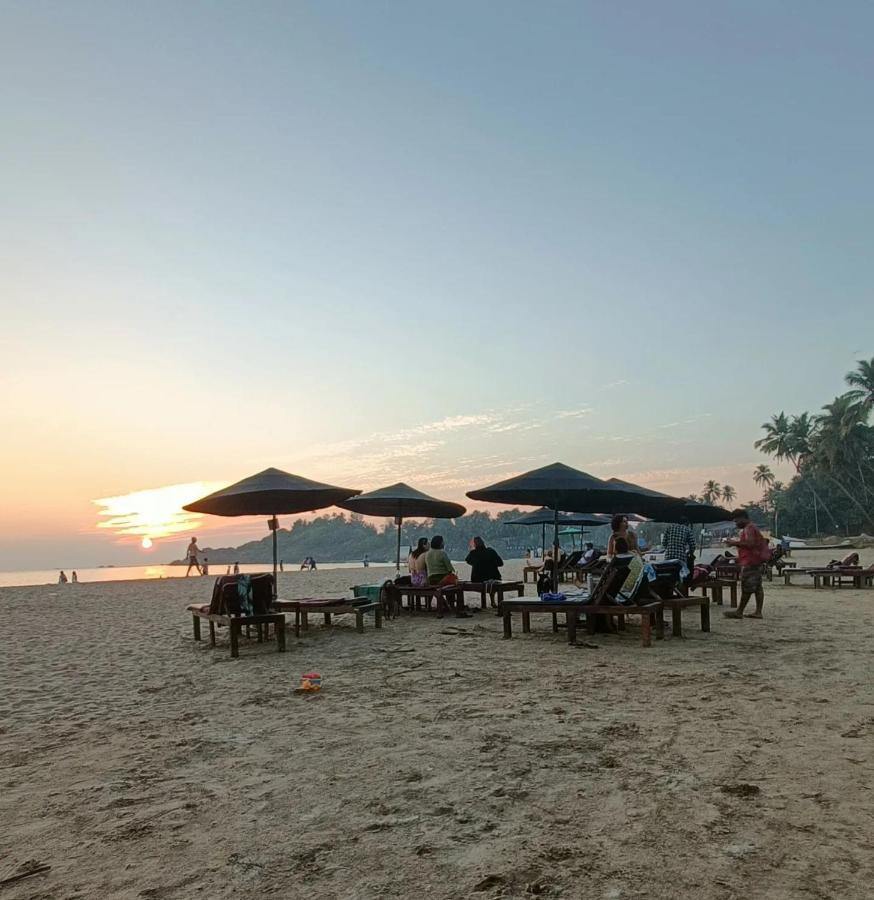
835, 576
331, 607
224, 610
595, 606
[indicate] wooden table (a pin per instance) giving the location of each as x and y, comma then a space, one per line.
418, 594
677, 604
492, 589
328, 608
532, 571
715, 586
235, 624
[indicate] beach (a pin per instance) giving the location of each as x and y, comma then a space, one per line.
438, 760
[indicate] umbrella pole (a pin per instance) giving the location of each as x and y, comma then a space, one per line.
555, 554
400, 519
274, 526
542, 539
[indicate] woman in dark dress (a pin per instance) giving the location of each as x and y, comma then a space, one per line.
485, 563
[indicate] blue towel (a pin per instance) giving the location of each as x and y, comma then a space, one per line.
553, 598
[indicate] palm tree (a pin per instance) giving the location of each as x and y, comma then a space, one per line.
777, 441
711, 491
862, 380
763, 476
728, 493
693, 498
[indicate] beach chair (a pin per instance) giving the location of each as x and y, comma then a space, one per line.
225, 609
567, 569
613, 577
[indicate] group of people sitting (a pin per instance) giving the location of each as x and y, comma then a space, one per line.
429, 563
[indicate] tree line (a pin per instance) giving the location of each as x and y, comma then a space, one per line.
832, 454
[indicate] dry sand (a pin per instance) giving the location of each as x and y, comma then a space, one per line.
136, 763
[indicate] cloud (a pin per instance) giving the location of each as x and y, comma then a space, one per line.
574, 413
614, 384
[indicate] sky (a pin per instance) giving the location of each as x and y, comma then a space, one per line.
432, 242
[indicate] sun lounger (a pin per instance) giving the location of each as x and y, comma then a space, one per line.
224, 610
329, 607
833, 576
567, 569
597, 604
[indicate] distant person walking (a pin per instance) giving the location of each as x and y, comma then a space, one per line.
281, 565
366, 561
191, 556
205, 566
75, 578
752, 551
236, 568
62, 578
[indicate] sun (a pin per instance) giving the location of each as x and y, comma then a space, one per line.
147, 543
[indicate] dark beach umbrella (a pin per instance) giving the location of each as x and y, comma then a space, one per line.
544, 517
701, 514
271, 493
560, 487
400, 501
647, 502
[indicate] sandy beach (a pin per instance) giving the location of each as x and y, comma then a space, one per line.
439, 760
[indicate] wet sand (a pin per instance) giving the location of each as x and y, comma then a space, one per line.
439, 760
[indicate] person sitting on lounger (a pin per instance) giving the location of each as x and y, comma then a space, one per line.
619, 524
485, 563
851, 560
438, 565
416, 563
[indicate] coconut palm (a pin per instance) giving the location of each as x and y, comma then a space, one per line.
728, 493
711, 491
862, 382
763, 476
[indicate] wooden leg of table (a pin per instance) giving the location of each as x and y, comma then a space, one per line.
620, 623
521, 590
555, 623
327, 620
259, 631
571, 619
482, 599
645, 630
660, 624
359, 621
677, 621
212, 634
705, 617
817, 581
508, 628
235, 638
196, 623
297, 623
279, 628
732, 588
377, 617
526, 623
591, 621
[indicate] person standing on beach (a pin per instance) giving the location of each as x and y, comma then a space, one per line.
205, 566
191, 555
75, 578
679, 543
752, 551
281, 565
62, 578
236, 568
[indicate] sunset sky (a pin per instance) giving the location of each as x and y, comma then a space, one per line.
440, 243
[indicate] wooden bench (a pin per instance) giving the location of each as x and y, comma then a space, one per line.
835, 577
328, 608
493, 589
677, 604
235, 624
715, 586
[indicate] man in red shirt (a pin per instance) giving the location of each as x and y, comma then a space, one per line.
751, 547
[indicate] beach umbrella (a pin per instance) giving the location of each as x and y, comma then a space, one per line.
649, 503
401, 501
559, 487
271, 493
544, 517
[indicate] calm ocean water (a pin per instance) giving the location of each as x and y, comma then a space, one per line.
130, 573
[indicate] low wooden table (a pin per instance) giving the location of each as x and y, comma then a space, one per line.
328, 608
532, 571
715, 586
417, 594
572, 610
492, 589
677, 604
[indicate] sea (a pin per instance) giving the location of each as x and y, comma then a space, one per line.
132, 573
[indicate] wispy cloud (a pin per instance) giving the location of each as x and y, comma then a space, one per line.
574, 413
614, 384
